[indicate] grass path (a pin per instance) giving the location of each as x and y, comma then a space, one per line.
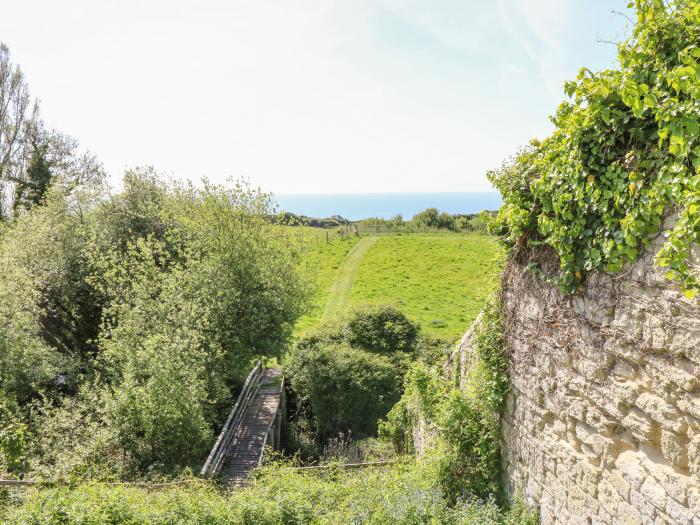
345, 277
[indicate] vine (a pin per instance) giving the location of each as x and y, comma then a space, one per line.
465, 421
625, 154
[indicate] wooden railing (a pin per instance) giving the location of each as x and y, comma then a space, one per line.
217, 456
274, 431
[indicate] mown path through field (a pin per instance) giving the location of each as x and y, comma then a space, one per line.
345, 277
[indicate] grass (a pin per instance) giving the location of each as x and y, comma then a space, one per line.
339, 293
323, 261
438, 280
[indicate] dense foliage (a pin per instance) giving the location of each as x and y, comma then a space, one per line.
126, 325
403, 494
625, 153
349, 374
464, 422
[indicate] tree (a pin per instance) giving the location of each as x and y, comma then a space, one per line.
33, 158
31, 189
428, 218
446, 221
17, 116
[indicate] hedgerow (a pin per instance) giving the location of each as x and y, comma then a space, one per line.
625, 153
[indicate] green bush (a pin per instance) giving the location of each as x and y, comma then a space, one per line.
463, 422
470, 421
349, 373
381, 329
403, 493
625, 153
13, 435
135, 316
346, 389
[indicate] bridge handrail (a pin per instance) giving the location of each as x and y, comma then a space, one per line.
216, 458
273, 422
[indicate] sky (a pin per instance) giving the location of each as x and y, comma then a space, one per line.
309, 96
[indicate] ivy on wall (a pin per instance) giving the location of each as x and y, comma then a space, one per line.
625, 153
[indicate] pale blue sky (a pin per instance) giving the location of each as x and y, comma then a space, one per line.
309, 96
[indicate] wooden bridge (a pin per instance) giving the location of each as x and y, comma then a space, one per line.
254, 423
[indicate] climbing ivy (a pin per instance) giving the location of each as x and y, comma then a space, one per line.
625, 153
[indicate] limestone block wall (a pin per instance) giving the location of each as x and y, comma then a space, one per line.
603, 421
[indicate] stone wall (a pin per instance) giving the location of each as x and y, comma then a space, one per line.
603, 421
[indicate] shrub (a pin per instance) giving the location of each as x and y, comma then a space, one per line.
470, 420
464, 422
13, 435
381, 329
403, 493
134, 316
346, 389
349, 373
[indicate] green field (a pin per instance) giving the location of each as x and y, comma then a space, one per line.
339, 293
322, 261
438, 280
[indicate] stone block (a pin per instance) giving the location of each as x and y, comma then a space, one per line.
686, 343
690, 404
645, 508
631, 469
694, 500
622, 487
694, 456
677, 486
678, 513
627, 515
654, 493
608, 497
624, 369
674, 448
661, 411
671, 373
639, 425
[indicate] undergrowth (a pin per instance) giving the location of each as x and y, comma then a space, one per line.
402, 494
462, 424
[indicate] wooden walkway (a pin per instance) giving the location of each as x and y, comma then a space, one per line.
253, 434
254, 423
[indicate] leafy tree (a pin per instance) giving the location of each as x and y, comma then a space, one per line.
196, 284
31, 189
428, 218
141, 310
17, 116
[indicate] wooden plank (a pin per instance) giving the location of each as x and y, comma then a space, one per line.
252, 433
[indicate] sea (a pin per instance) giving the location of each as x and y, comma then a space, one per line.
357, 206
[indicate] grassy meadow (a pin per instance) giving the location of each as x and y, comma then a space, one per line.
438, 280
322, 261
